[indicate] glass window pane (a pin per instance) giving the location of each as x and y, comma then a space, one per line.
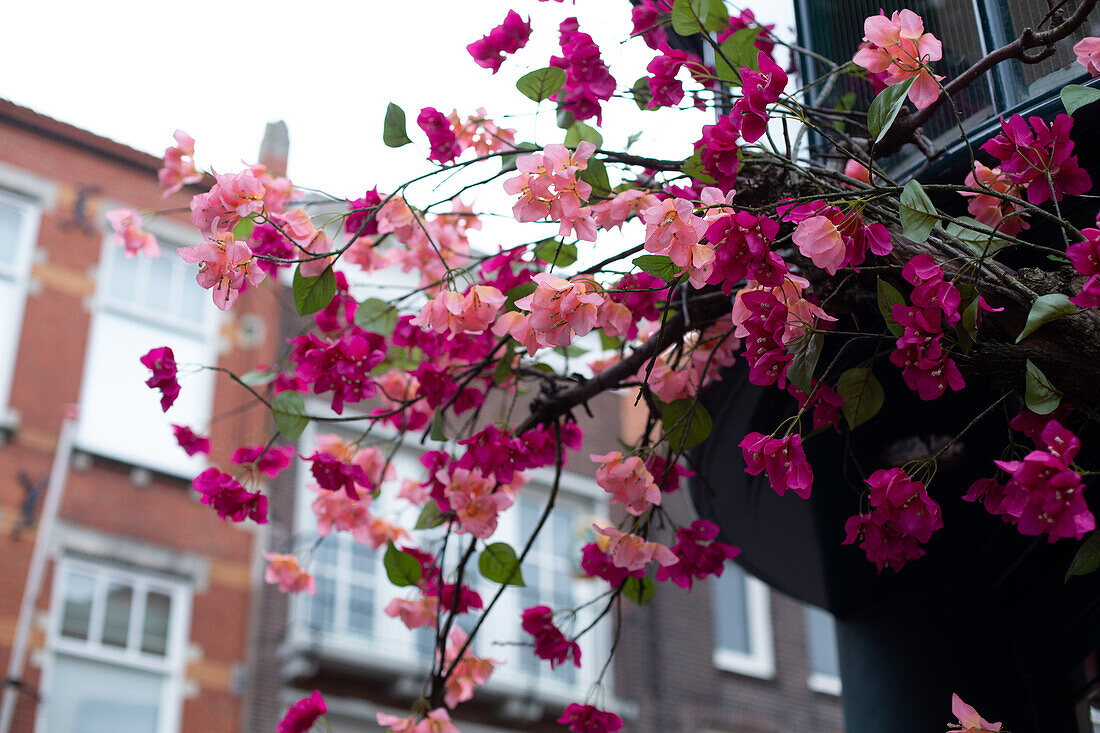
76, 612
362, 558
360, 611
124, 276
821, 634
116, 620
154, 634
327, 552
731, 617
322, 607
158, 286
93, 697
10, 226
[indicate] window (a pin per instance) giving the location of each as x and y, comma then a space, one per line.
116, 651
821, 646
742, 624
142, 303
18, 233
346, 615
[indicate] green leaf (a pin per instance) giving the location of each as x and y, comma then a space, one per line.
288, 410
1040, 396
640, 92
508, 162
885, 107
571, 351
610, 343
243, 230
888, 297
717, 16
984, 242
553, 252
312, 294
519, 292
686, 423
632, 138
595, 175
918, 215
693, 167
1045, 309
504, 367
689, 16
1075, 96
375, 314
806, 351
401, 568
579, 132
640, 590
660, 265
1087, 559
541, 84
845, 103
393, 129
863, 396
967, 330
430, 516
498, 563
258, 378
437, 431
740, 50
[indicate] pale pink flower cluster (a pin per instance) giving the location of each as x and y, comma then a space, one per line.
431, 244
126, 224
309, 241
802, 313
673, 229
820, 240
709, 351
179, 164
628, 481
335, 510
898, 46
398, 389
369, 458
235, 195
969, 720
476, 499
633, 553
225, 265
470, 672
560, 311
1087, 51
481, 133
549, 187
437, 721
614, 212
414, 613
1005, 217
454, 313
285, 571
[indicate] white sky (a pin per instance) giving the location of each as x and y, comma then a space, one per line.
134, 71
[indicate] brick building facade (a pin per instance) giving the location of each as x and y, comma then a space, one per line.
142, 622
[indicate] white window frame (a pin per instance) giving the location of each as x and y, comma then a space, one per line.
171, 666
827, 684
20, 275
396, 652
170, 234
759, 661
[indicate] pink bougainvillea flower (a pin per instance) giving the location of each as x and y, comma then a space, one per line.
700, 555
628, 481
468, 673
441, 138
508, 37
550, 642
454, 313
414, 614
268, 459
303, 714
341, 366
587, 79
902, 516
231, 500
589, 719
782, 458
818, 239
474, 500
481, 133
632, 552
179, 165
436, 721
285, 571
969, 720
1087, 51
191, 441
226, 266
235, 195
1037, 157
561, 310
549, 186
996, 213
126, 224
759, 89
898, 46
858, 171
163, 363
673, 229
1085, 258
335, 474
338, 511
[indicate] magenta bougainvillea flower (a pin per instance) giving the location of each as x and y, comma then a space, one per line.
902, 516
163, 363
758, 90
1037, 157
231, 500
700, 555
899, 47
782, 458
268, 459
303, 714
589, 719
362, 213
441, 138
126, 225
334, 474
550, 643
1085, 258
191, 441
508, 37
587, 79
342, 366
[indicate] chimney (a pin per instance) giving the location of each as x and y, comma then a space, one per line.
275, 147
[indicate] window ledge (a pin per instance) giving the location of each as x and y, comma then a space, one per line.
728, 660
826, 684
